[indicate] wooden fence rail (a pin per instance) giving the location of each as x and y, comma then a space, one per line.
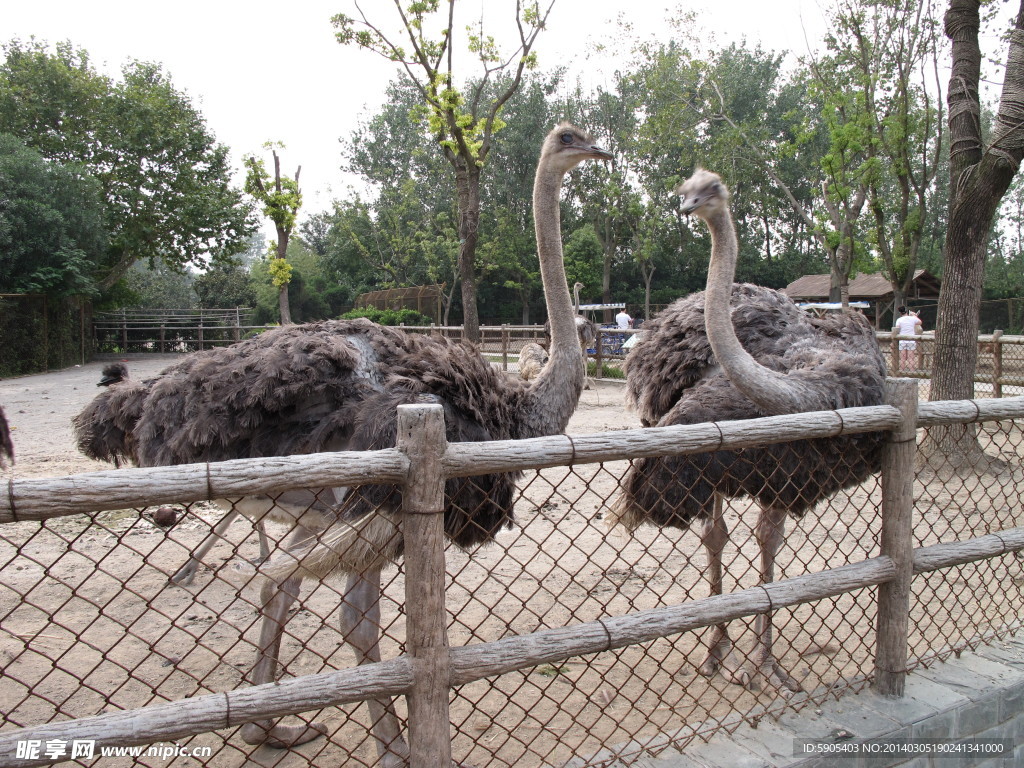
421, 462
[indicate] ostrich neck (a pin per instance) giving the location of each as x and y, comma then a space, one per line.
772, 392
554, 393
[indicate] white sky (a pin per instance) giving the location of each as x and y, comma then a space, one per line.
261, 71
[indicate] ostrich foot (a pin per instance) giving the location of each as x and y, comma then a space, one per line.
763, 670
722, 659
266, 733
186, 573
754, 675
767, 672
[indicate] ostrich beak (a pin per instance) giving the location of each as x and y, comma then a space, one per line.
687, 205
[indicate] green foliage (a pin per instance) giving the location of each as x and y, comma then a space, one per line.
159, 287
41, 333
225, 287
52, 238
388, 316
279, 195
280, 272
165, 182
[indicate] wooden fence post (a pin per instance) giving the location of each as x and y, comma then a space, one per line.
997, 364
504, 346
421, 437
897, 542
599, 357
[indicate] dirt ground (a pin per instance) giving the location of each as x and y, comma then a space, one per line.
89, 622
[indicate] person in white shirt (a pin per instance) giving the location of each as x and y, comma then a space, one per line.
908, 324
623, 320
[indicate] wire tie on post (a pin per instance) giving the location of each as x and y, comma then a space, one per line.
10, 499
572, 459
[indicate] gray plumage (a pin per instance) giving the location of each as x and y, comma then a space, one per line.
742, 352
672, 377
303, 389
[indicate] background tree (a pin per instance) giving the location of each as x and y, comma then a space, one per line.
281, 200
160, 287
980, 176
51, 224
888, 52
166, 183
463, 119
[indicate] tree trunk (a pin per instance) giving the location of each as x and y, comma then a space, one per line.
467, 187
979, 177
282, 295
282, 300
648, 278
608, 251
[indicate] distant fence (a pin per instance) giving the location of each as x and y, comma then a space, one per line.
170, 330
1000, 360
567, 641
1000, 357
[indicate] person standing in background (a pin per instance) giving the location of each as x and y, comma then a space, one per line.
908, 324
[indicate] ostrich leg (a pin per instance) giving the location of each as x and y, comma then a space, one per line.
187, 572
770, 533
714, 536
276, 600
360, 624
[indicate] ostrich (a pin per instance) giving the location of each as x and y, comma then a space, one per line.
6, 446
532, 358
702, 361
586, 329
335, 385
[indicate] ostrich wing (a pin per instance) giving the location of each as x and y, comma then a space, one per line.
674, 352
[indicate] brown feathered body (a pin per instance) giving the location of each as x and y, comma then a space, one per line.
673, 378
331, 385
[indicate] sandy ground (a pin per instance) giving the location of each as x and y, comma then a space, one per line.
89, 622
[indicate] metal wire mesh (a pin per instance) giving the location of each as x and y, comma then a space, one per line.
90, 623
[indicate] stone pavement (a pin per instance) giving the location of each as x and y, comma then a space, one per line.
978, 695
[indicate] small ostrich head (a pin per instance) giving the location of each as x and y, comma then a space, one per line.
113, 374
567, 146
703, 194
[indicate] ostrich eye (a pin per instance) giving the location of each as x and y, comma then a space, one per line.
567, 138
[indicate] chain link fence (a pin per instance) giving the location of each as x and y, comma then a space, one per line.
91, 626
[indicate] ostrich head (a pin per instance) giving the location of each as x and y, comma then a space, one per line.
113, 374
703, 194
567, 146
